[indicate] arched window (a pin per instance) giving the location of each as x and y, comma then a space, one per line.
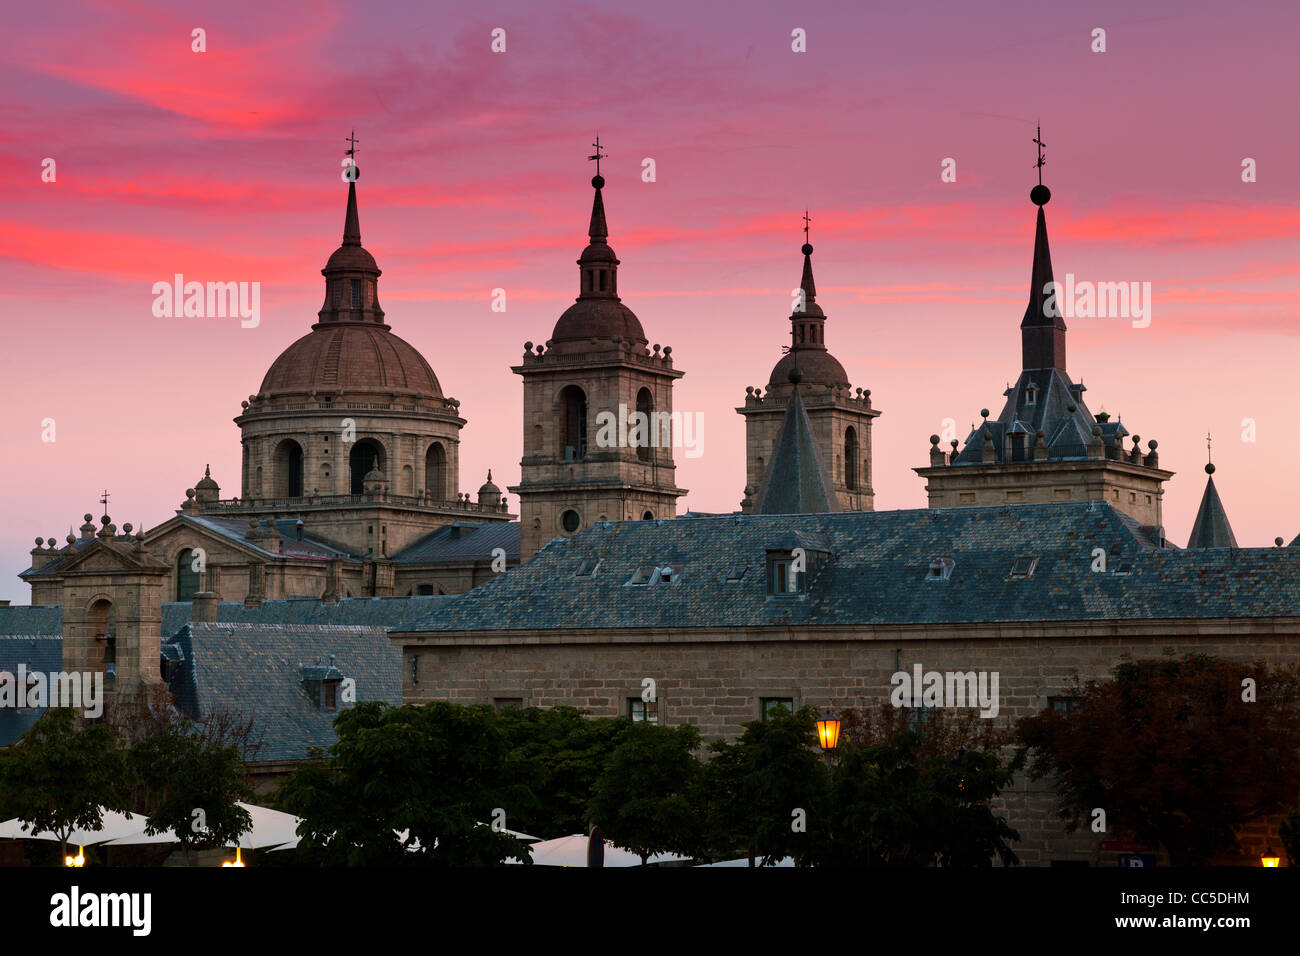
435, 472
645, 405
648, 516
187, 577
851, 459
288, 469
103, 626
366, 455
573, 424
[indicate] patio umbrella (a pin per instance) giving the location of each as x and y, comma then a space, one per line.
271, 828
572, 851
785, 861
115, 826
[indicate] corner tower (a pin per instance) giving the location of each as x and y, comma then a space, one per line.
585, 394
839, 417
1046, 445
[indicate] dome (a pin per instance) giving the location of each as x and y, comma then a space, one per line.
350, 357
488, 487
348, 258
206, 483
818, 366
599, 318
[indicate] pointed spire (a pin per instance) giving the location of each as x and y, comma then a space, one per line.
1211, 528
598, 231
1042, 331
351, 222
796, 480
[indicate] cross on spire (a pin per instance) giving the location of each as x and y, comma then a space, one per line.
1041, 146
103, 499
1209, 451
352, 143
806, 220
598, 155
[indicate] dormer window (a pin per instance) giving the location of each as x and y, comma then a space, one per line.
1031, 394
783, 578
792, 568
1023, 567
940, 569
588, 567
321, 683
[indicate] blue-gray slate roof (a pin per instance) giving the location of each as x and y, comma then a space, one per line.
796, 481
877, 574
254, 671
463, 541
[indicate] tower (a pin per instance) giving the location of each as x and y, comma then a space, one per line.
598, 410
1046, 445
840, 419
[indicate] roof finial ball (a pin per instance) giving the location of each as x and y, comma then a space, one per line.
1209, 469
1040, 195
795, 376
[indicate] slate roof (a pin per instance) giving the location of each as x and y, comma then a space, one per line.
37, 652
27, 620
253, 670
877, 574
1211, 528
238, 529
463, 541
367, 612
796, 480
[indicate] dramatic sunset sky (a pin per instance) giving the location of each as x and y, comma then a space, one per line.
224, 166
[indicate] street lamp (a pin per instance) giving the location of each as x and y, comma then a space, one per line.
828, 733
80, 858
237, 861
1270, 858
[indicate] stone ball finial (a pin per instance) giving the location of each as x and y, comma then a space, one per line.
105, 520
1277, 542
528, 346
243, 404
598, 182
795, 376
1209, 469
87, 517
1096, 431
656, 348
934, 439
126, 528
1040, 195
190, 492
807, 249
954, 444
984, 413
1153, 444
1040, 433
668, 350
71, 539
41, 541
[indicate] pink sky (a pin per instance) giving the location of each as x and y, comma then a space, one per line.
224, 166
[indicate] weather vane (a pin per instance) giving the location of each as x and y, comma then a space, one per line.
599, 155
1041, 146
352, 144
806, 219
1209, 452
104, 501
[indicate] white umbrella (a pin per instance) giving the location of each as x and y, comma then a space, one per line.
415, 845
270, 828
115, 826
572, 851
785, 861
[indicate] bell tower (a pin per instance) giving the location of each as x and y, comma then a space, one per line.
598, 409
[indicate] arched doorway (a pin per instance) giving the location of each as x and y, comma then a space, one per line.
573, 424
366, 455
435, 472
288, 469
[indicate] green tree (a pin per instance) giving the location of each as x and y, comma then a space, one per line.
556, 756
643, 799
179, 772
61, 775
401, 775
892, 806
1179, 752
764, 795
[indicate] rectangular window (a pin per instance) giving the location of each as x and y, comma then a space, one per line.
338, 293
329, 696
1064, 705
356, 293
769, 705
643, 711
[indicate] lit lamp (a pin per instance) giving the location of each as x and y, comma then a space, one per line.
80, 858
1270, 858
237, 861
828, 732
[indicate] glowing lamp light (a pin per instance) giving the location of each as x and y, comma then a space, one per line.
78, 860
237, 861
828, 732
1270, 858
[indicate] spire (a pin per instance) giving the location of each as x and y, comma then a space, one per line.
807, 321
351, 222
1042, 331
351, 274
1211, 528
598, 266
796, 481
